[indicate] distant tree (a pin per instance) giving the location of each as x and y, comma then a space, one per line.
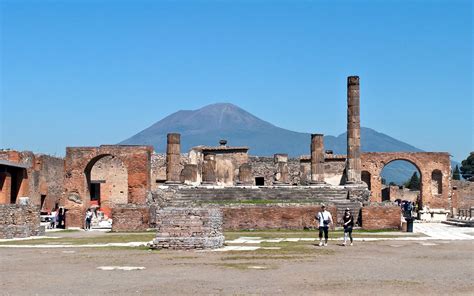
384, 181
392, 184
467, 167
413, 183
456, 173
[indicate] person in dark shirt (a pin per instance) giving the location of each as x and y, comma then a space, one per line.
348, 222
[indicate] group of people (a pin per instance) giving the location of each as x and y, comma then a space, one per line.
325, 220
56, 218
408, 207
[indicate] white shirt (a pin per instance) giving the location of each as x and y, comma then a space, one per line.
324, 216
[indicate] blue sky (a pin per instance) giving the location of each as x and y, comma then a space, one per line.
78, 73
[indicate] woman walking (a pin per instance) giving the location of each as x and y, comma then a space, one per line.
348, 221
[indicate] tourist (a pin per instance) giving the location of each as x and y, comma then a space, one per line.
88, 219
52, 221
325, 219
348, 223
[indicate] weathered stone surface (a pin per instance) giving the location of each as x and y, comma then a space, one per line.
426, 162
317, 159
245, 174
463, 198
271, 216
189, 174
19, 221
381, 216
130, 217
353, 168
281, 176
173, 158
80, 160
188, 228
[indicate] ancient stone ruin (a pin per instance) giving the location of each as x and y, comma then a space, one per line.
190, 197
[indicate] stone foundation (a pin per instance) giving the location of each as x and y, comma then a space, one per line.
188, 228
19, 221
381, 216
130, 218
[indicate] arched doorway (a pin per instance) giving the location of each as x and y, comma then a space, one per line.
107, 183
401, 180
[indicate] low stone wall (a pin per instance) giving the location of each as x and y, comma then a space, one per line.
188, 228
246, 217
130, 218
19, 221
381, 216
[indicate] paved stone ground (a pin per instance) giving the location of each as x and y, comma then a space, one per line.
390, 267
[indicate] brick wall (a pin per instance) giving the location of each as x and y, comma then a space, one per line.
463, 195
130, 218
188, 228
19, 221
379, 216
273, 216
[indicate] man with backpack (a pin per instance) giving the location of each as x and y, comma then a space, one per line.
325, 219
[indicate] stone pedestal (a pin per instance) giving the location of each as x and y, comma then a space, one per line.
173, 159
317, 159
353, 168
188, 228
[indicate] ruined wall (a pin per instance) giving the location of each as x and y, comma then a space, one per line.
158, 168
43, 177
80, 160
381, 216
463, 195
188, 228
299, 169
130, 218
426, 163
110, 172
19, 221
270, 216
392, 193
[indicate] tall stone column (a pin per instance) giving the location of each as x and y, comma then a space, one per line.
353, 168
173, 158
317, 159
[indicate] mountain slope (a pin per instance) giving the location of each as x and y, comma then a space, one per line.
207, 125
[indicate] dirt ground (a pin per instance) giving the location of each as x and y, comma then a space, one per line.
367, 268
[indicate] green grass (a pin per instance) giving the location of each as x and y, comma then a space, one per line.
102, 239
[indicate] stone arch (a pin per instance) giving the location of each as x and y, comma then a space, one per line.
80, 160
425, 162
106, 177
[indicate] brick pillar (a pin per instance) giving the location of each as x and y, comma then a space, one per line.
281, 175
353, 168
5, 188
317, 159
173, 158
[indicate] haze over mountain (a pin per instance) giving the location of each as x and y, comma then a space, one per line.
209, 124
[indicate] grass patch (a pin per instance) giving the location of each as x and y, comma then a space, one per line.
102, 239
244, 266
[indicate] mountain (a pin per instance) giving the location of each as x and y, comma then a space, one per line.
209, 124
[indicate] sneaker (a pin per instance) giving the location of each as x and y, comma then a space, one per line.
344, 244
351, 244
320, 244
325, 244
